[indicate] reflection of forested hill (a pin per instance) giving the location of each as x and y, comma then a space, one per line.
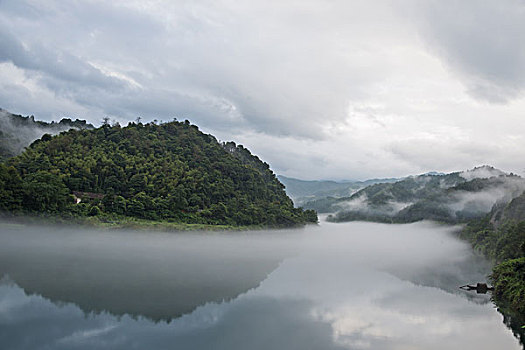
159, 276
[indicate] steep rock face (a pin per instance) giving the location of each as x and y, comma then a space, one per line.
169, 171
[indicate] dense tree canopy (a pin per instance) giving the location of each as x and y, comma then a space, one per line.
450, 198
501, 236
169, 171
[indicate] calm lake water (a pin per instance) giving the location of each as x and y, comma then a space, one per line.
332, 286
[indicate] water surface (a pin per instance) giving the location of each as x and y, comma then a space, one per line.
335, 286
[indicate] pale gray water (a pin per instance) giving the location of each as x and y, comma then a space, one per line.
336, 286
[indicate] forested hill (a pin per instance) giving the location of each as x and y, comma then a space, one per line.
170, 171
500, 235
302, 191
18, 132
454, 197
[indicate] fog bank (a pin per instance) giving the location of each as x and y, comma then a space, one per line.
332, 286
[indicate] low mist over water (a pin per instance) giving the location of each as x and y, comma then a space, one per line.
333, 286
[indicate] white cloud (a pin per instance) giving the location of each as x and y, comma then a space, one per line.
484, 43
317, 89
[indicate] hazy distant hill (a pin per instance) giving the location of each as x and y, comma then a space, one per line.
387, 198
302, 191
18, 132
450, 197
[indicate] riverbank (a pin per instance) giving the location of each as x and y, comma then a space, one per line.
509, 284
115, 223
505, 246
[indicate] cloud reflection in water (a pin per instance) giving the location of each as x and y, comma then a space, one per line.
347, 286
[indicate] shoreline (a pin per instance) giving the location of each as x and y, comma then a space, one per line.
120, 223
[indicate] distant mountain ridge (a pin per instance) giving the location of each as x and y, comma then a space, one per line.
18, 132
302, 191
453, 197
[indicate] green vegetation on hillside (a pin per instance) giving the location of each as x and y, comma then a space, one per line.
499, 244
450, 198
380, 196
501, 237
168, 172
302, 191
509, 284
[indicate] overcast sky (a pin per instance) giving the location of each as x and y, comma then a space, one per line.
318, 89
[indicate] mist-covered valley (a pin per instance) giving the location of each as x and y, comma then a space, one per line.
453, 198
262, 174
339, 284
92, 252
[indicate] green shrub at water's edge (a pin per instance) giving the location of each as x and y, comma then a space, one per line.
509, 283
501, 237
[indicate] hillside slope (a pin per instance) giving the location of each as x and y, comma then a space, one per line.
387, 197
454, 197
170, 171
18, 132
500, 235
302, 191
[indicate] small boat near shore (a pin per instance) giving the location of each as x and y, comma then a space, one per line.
480, 288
